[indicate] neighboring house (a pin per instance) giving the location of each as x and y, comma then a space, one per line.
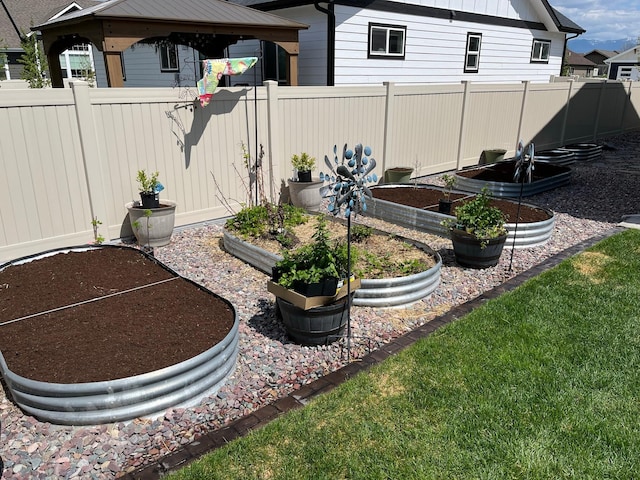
624, 66
598, 57
420, 41
351, 42
580, 66
16, 19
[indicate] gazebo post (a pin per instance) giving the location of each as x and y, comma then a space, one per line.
113, 64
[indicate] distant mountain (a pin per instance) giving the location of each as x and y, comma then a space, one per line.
583, 45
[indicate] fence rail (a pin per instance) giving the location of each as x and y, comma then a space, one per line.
71, 155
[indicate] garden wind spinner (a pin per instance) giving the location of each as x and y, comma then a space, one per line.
348, 179
525, 164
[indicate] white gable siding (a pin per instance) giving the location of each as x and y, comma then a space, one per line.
435, 50
515, 9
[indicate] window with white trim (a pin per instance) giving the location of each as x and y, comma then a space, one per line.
168, 58
540, 50
386, 41
472, 53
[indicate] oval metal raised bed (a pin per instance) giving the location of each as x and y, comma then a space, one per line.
387, 292
558, 156
522, 235
585, 151
148, 394
508, 189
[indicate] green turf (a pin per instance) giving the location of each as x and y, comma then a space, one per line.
541, 383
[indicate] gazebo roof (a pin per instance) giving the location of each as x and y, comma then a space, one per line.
209, 26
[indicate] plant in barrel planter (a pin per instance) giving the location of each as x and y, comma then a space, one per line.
306, 284
152, 221
478, 232
444, 204
304, 191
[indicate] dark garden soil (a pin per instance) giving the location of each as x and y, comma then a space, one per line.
503, 172
116, 336
427, 198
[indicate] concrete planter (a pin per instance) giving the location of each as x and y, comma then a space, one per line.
526, 235
154, 230
148, 394
387, 292
306, 194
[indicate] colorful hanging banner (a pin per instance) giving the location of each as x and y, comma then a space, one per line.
213, 71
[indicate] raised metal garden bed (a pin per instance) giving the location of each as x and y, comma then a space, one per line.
497, 178
526, 235
148, 394
386, 292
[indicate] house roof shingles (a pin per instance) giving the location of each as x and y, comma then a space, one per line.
17, 17
578, 60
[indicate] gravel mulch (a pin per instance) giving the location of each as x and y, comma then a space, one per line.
269, 365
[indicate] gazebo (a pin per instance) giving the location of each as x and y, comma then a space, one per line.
208, 26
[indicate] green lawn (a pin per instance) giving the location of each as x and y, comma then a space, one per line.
541, 383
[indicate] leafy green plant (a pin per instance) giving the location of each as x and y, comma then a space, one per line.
303, 162
267, 221
478, 218
449, 182
147, 182
360, 233
314, 262
95, 223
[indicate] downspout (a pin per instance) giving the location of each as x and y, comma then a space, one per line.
331, 39
564, 50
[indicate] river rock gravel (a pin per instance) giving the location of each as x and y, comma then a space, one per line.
269, 366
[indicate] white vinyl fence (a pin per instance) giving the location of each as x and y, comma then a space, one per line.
71, 155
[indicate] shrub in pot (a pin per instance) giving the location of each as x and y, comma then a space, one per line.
478, 232
444, 204
305, 192
152, 222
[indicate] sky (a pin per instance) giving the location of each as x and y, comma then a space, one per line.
603, 19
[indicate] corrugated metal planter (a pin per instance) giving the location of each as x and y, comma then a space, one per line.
585, 151
148, 394
558, 156
387, 292
526, 235
506, 189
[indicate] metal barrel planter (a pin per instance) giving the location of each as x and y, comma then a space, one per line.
557, 156
522, 235
148, 394
316, 326
388, 292
585, 151
508, 189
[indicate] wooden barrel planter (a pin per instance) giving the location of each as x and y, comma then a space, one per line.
315, 326
471, 253
419, 217
498, 178
181, 384
386, 292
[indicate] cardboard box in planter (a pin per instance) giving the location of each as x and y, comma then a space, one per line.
306, 303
